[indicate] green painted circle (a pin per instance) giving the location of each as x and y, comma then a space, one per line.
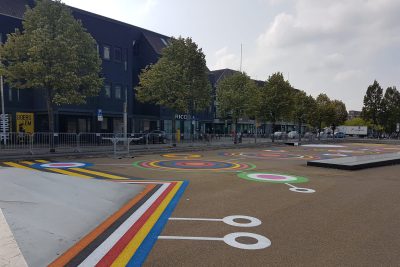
299, 179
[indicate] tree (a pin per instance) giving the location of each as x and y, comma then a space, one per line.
276, 99
372, 108
178, 80
55, 54
322, 113
358, 122
390, 109
303, 107
339, 115
234, 97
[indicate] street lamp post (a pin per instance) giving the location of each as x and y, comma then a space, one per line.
3, 114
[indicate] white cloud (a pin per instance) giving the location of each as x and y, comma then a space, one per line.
225, 59
329, 44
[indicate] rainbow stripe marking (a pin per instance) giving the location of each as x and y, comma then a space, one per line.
126, 237
193, 165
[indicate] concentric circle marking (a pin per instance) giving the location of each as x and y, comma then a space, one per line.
266, 154
322, 145
193, 165
186, 156
262, 241
272, 177
230, 220
62, 165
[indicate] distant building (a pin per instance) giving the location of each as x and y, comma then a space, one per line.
353, 114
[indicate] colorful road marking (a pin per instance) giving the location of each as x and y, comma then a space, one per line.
126, 237
181, 155
193, 165
268, 154
277, 178
62, 165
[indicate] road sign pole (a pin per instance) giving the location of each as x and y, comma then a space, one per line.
3, 114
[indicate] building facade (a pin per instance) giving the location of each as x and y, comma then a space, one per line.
125, 50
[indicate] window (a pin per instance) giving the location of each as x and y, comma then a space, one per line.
18, 95
106, 52
117, 92
118, 54
107, 90
1, 38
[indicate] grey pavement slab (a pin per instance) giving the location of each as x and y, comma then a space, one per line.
49, 212
358, 162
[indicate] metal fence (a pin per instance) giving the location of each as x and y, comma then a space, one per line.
39, 143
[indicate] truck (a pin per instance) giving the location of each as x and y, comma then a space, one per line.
354, 130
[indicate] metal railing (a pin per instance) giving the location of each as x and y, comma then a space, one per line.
42, 142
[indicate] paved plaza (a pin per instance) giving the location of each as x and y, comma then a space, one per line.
234, 207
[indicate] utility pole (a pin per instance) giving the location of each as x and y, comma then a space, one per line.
126, 116
3, 113
241, 56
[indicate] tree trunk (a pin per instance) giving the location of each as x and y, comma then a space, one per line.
50, 112
299, 131
255, 133
235, 139
319, 131
173, 131
272, 132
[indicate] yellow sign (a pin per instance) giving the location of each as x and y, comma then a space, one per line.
25, 122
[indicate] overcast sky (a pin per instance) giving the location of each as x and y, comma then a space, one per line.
337, 47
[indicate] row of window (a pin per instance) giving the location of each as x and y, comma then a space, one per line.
117, 91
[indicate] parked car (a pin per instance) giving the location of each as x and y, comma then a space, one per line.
157, 137
293, 135
340, 135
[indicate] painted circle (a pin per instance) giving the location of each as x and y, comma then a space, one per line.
182, 156
335, 155
268, 154
191, 165
302, 190
230, 220
64, 165
262, 241
272, 177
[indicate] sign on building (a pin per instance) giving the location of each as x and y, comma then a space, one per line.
25, 122
100, 115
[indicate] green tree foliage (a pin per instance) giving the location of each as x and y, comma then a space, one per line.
372, 108
339, 115
390, 109
178, 80
235, 97
358, 122
323, 112
55, 54
302, 109
276, 99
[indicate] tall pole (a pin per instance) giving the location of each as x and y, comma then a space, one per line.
126, 116
3, 114
241, 56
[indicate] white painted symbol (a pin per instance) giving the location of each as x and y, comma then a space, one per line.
230, 220
229, 239
300, 189
334, 155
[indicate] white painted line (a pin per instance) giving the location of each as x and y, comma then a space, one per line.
102, 250
10, 254
191, 238
195, 219
300, 189
229, 239
230, 220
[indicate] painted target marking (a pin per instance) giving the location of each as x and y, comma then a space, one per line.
229, 239
273, 154
63, 165
186, 156
272, 177
193, 165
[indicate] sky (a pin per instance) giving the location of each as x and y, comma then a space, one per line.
321, 46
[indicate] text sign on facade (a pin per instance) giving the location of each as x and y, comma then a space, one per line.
25, 122
183, 117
